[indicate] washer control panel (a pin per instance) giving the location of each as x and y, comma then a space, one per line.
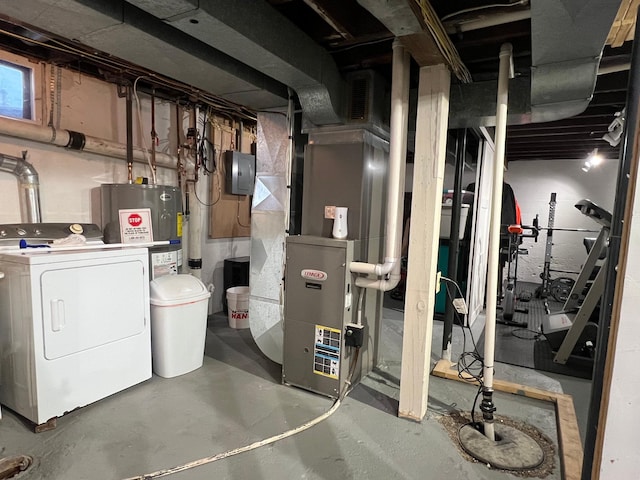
46, 232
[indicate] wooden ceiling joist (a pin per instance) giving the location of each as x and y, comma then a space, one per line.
623, 27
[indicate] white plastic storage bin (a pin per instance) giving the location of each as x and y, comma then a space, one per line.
178, 324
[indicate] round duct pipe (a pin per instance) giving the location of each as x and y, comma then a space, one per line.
28, 186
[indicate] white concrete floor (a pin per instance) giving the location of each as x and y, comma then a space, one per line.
236, 398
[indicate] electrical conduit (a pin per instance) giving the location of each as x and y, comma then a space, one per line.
486, 406
28, 186
77, 141
390, 269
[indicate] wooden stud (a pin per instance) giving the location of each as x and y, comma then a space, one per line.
623, 27
430, 150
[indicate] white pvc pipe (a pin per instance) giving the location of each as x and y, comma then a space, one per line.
379, 284
397, 166
496, 211
60, 138
195, 228
454, 26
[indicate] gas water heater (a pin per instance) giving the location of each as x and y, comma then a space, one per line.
165, 203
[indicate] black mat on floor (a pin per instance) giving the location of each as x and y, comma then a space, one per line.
526, 347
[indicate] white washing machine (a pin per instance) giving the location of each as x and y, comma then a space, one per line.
74, 328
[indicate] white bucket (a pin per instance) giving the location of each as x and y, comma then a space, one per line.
238, 307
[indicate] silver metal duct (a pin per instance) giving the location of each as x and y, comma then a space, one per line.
28, 186
567, 38
259, 36
127, 32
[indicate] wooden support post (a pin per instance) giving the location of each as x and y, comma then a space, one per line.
430, 151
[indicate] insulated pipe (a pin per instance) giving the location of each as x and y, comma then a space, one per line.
397, 167
77, 141
486, 406
28, 186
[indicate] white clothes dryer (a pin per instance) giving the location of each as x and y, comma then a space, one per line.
74, 327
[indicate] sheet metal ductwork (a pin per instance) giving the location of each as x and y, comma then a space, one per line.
242, 51
28, 186
127, 32
239, 50
257, 35
567, 39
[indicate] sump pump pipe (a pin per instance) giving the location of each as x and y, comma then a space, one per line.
390, 269
28, 186
504, 73
77, 141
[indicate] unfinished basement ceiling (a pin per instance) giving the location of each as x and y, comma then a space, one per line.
249, 52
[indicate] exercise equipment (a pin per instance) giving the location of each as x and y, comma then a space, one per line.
509, 298
560, 287
570, 331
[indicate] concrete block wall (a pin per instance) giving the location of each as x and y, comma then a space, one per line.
533, 182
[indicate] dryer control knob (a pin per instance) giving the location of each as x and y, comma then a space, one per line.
76, 228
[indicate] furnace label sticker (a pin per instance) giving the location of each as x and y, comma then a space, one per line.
326, 352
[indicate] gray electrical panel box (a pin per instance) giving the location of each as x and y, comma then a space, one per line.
319, 303
240, 172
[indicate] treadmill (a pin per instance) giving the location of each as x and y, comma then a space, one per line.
569, 332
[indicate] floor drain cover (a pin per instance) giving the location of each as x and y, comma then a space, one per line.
12, 466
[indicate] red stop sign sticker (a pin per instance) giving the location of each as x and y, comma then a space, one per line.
135, 220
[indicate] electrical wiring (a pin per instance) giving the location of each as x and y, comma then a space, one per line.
305, 426
195, 191
443, 42
484, 7
238, 216
470, 364
123, 68
531, 334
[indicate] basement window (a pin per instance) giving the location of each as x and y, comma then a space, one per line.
16, 91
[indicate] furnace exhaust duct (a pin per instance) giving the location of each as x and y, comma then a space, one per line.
28, 186
397, 165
